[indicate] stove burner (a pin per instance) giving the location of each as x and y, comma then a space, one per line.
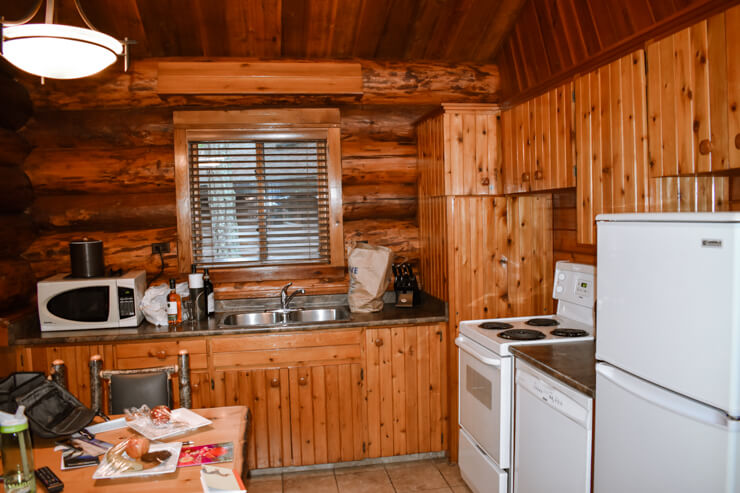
495, 325
569, 332
522, 335
542, 322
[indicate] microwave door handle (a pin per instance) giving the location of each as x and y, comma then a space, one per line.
466, 346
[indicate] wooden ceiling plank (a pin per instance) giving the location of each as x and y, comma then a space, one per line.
293, 33
508, 52
213, 28
662, 8
170, 27
552, 16
119, 19
520, 53
495, 35
587, 24
264, 28
422, 28
545, 49
476, 20
347, 15
320, 24
639, 14
373, 16
396, 33
572, 31
617, 12
447, 28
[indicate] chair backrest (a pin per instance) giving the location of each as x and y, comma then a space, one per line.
133, 388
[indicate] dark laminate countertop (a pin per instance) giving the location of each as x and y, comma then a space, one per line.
572, 363
431, 310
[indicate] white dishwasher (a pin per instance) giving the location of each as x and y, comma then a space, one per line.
552, 434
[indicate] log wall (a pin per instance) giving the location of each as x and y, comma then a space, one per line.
103, 163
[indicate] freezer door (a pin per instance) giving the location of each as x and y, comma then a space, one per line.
667, 306
649, 439
480, 473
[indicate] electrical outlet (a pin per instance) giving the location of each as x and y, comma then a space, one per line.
163, 247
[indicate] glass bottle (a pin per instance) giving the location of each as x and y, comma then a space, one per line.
174, 305
17, 454
210, 297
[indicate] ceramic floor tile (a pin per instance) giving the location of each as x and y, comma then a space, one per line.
461, 488
306, 483
415, 476
265, 484
446, 489
339, 471
373, 481
450, 472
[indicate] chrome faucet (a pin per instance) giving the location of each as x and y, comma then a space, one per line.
285, 299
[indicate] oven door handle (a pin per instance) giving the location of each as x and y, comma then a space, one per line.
468, 347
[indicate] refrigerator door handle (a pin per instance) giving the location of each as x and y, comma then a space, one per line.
666, 399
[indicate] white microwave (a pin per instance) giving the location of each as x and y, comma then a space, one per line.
67, 303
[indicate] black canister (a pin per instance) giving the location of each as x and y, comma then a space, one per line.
86, 258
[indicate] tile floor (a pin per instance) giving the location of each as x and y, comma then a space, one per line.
429, 476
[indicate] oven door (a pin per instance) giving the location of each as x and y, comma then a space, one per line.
485, 399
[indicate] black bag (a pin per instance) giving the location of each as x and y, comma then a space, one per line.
51, 410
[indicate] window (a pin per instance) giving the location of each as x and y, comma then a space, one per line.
260, 191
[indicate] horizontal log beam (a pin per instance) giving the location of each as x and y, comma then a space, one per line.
18, 233
402, 237
15, 102
17, 284
13, 148
16, 193
49, 253
108, 212
400, 83
98, 170
372, 208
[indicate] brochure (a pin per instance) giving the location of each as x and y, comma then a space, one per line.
197, 455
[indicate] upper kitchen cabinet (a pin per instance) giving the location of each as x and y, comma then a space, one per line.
611, 138
459, 151
693, 97
538, 145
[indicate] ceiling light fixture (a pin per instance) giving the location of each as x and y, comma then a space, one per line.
58, 51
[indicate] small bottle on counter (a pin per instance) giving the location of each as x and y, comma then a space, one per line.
174, 305
197, 294
210, 297
17, 454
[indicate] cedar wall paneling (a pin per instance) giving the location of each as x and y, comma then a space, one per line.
103, 165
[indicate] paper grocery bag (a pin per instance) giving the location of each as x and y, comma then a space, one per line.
369, 275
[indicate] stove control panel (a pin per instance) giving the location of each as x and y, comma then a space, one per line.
574, 283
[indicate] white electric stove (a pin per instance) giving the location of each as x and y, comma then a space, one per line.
487, 375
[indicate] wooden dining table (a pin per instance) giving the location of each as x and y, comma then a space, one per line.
229, 424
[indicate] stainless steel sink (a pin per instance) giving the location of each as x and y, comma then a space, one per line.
285, 317
318, 315
250, 319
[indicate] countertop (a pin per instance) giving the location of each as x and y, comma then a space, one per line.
431, 310
572, 363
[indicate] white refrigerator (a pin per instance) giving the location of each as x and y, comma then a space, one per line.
668, 350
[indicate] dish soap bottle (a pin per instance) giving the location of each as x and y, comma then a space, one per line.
17, 453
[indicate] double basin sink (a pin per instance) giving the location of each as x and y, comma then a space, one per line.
285, 317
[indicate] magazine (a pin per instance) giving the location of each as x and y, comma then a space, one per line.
197, 455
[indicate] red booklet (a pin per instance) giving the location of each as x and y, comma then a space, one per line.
197, 455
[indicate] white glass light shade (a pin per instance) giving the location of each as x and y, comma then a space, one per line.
57, 51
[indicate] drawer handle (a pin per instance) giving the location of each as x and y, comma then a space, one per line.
737, 141
525, 177
302, 381
378, 342
274, 382
485, 181
161, 354
705, 147
538, 174
195, 386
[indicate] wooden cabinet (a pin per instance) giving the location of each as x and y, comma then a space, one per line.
693, 98
690, 194
407, 410
538, 143
611, 139
459, 151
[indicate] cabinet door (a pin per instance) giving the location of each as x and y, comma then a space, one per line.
407, 409
611, 138
516, 146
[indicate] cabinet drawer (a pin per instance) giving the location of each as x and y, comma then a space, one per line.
158, 353
287, 357
286, 340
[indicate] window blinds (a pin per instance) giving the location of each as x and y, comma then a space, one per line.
259, 202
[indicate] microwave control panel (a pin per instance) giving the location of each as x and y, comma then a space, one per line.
126, 303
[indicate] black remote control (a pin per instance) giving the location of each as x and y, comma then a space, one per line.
50, 480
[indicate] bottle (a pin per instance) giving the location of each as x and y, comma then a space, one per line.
210, 297
197, 294
174, 306
17, 453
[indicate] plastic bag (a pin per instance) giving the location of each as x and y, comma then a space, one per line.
369, 275
154, 303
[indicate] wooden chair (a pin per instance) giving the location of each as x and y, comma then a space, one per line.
132, 388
